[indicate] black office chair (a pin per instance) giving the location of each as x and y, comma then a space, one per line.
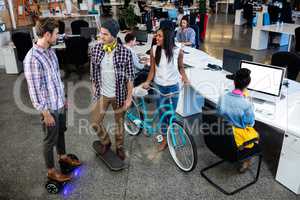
220, 140
274, 13
248, 13
76, 54
106, 10
289, 60
297, 39
157, 12
23, 42
76, 26
286, 13
61, 27
197, 35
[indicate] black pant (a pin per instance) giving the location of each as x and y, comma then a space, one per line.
54, 136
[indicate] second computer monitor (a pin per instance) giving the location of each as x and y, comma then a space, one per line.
141, 36
232, 60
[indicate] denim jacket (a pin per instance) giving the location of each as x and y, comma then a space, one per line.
237, 110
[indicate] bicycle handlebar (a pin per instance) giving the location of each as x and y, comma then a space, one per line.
165, 95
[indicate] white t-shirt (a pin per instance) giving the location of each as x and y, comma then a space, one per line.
166, 73
108, 88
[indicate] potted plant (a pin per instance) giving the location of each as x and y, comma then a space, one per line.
127, 14
203, 18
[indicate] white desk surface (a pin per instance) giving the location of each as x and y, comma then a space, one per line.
63, 45
73, 15
171, 6
114, 4
213, 84
280, 28
296, 13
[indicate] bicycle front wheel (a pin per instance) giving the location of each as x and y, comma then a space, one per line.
182, 147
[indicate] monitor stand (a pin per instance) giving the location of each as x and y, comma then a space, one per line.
258, 101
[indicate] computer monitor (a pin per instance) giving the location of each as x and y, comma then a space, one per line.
266, 81
232, 60
141, 36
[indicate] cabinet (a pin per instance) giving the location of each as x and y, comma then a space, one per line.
9, 60
288, 172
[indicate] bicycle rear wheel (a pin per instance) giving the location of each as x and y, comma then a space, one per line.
133, 120
182, 147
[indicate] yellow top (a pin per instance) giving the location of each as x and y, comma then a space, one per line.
242, 135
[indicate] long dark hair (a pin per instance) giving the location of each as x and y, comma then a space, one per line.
168, 45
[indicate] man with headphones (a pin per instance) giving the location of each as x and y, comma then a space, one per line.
112, 76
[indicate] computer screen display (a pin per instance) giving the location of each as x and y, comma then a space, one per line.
265, 79
141, 36
232, 60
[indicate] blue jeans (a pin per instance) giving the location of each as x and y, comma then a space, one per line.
164, 100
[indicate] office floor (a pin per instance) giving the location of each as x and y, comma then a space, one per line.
151, 175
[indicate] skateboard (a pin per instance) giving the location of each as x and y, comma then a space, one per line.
112, 161
53, 186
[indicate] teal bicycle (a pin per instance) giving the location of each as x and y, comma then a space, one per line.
181, 144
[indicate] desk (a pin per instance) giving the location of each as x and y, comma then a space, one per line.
213, 84
9, 59
239, 19
260, 34
166, 7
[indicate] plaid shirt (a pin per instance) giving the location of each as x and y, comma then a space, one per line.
123, 68
45, 87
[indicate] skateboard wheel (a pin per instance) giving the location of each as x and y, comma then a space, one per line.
53, 187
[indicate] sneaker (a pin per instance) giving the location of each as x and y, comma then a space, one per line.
104, 148
163, 144
121, 153
245, 166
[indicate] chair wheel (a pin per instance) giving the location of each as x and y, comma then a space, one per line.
53, 187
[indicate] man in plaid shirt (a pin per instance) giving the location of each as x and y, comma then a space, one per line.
112, 76
46, 91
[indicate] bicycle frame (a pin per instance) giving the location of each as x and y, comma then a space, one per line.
147, 122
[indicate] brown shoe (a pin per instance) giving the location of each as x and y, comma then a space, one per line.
163, 145
71, 162
104, 148
57, 176
121, 153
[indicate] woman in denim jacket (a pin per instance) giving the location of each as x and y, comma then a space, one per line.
238, 110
